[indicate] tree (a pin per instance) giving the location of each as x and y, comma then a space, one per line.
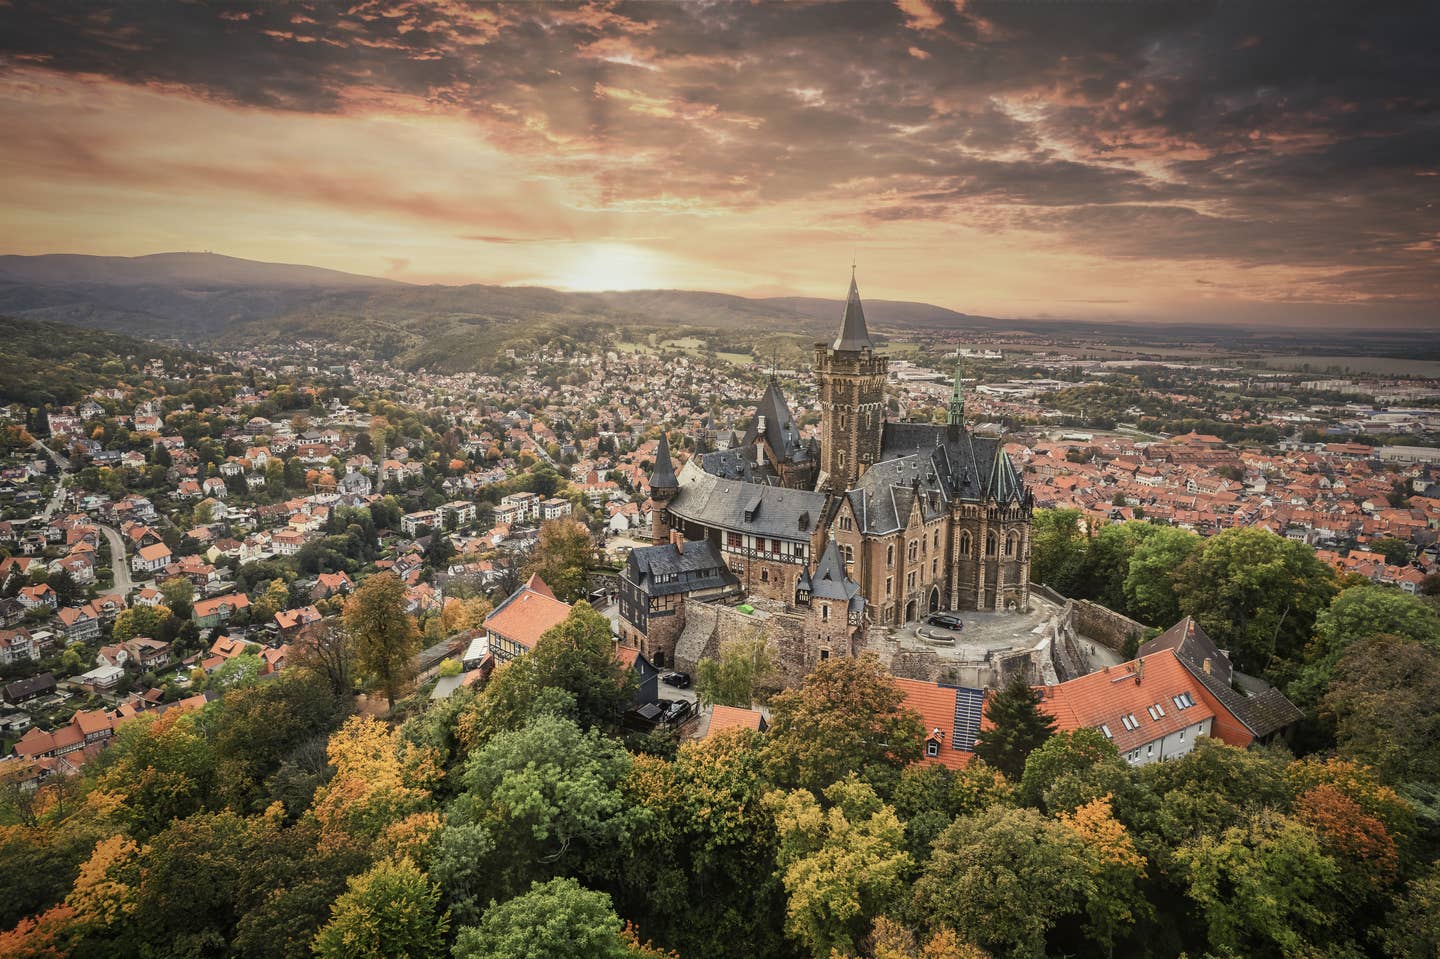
1395, 551
744, 666
324, 648
151, 621
1385, 703
562, 558
544, 799
1002, 879
1149, 586
378, 783
559, 919
383, 634
847, 716
578, 655
1413, 928
179, 595
1115, 870
841, 867
1255, 593
1017, 726
388, 912
1057, 548
1358, 613
438, 550
1265, 887
158, 770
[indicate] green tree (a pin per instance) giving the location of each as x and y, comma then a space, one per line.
1395, 551
1255, 593
562, 558
1002, 879
384, 636
743, 668
546, 799
1385, 702
1357, 613
847, 716
179, 595
1213, 788
1412, 930
1149, 587
1073, 768
1017, 726
389, 912
559, 919
578, 655
1265, 887
161, 769
151, 621
1057, 549
841, 867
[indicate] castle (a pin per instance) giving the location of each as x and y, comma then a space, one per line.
878, 524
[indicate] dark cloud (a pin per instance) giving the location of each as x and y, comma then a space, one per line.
1275, 133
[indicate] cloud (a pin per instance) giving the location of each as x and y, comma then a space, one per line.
1232, 136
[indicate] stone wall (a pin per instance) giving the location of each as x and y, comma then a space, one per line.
1105, 626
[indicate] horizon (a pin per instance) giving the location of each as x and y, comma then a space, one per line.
1183, 165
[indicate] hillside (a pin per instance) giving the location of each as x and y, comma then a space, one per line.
47, 363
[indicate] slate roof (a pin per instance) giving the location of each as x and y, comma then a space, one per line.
972, 467
730, 504
695, 567
780, 434
853, 334
1263, 714
663, 473
829, 581
1193, 646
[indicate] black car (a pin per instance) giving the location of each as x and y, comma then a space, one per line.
676, 710
945, 621
678, 680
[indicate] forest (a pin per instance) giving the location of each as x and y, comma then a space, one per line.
520, 821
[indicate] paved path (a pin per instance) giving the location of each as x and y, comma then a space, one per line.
119, 562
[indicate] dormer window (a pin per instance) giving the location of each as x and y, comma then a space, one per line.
932, 748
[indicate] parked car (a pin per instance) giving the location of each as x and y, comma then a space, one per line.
945, 621
676, 710
678, 680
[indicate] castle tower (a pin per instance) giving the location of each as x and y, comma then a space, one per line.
851, 377
663, 487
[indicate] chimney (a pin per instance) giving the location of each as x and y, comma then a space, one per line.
1206, 665
677, 540
1139, 671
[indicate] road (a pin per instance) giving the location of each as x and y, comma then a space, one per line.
119, 562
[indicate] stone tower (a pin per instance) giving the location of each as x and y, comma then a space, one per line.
663, 487
851, 377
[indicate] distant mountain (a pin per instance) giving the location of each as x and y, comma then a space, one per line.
203, 270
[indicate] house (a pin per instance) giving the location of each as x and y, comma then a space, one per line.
16, 645
332, 584
412, 523
725, 718
647, 690
517, 624
41, 595
216, 611
81, 623
102, 677
952, 716
291, 620
655, 585
555, 508
150, 559
24, 690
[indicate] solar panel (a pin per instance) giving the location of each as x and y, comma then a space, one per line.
969, 706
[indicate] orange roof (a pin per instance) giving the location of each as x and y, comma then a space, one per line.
1114, 694
936, 706
527, 614
733, 717
92, 721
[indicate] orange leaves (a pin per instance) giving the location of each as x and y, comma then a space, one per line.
104, 891
1104, 836
1348, 832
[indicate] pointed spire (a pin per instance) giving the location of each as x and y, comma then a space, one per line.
957, 394
663, 473
853, 334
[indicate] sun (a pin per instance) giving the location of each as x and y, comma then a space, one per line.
609, 266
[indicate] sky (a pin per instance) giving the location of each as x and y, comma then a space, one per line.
1265, 162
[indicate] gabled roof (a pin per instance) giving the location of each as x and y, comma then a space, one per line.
1193, 646
829, 581
527, 613
957, 712
854, 336
1108, 697
723, 718
779, 431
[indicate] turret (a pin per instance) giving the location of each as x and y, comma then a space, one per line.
663, 487
851, 377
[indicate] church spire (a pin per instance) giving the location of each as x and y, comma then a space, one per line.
853, 334
662, 475
957, 394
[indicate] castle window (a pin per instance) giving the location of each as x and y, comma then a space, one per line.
1010, 544
889, 585
764, 576
849, 553
890, 555
965, 543
990, 544
825, 612
934, 567
732, 540
824, 654
937, 539
846, 524
914, 550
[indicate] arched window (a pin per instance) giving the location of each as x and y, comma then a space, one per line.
890, 555
1010, 543
937, 539
965, 543
990, 544
914, 550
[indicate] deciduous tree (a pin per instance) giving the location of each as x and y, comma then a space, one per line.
389, 912
383, 634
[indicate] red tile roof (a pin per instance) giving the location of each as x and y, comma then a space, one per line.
527, 614
1129, 690
936, 706
732, 717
